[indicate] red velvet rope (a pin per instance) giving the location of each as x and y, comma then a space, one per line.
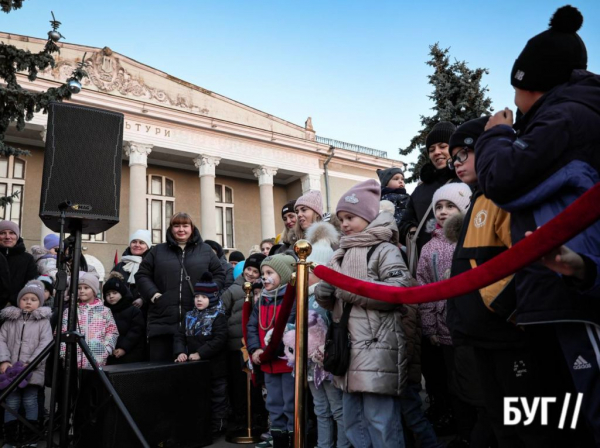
280, 323
577, 217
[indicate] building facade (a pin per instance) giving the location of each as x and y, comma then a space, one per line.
228, 165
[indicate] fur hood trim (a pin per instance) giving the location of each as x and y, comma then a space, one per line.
14, 313
453, 226
323, 232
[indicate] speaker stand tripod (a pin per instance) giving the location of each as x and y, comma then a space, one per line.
72, 339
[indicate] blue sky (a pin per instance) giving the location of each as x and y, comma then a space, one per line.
356, 67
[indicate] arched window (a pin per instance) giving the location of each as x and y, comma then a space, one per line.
12, 182
224, 216
160, 203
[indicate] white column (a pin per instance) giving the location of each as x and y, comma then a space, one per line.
267, 209
207, 165
138, 162
311, 182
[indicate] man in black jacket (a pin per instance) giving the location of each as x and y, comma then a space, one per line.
21, 264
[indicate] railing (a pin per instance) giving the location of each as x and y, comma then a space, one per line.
352, 147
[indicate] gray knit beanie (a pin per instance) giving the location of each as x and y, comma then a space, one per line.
32, 287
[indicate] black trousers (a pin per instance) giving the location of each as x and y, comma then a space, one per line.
219, 403
160, 348
517, 373
433, 368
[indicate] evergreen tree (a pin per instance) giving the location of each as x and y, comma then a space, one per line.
17, 104
457, 96
9, 5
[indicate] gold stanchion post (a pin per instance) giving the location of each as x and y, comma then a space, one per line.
302, 248
246, 436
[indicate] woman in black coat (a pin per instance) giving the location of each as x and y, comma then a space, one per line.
140, 244
162, 283
21, 264
129, 320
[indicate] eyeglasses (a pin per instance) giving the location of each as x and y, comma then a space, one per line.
461, 156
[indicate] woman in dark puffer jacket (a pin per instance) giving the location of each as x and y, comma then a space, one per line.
162, 282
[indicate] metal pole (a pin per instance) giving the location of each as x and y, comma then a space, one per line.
71, 349
302, 248
246, 437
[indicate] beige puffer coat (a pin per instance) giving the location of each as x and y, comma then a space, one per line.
377, 356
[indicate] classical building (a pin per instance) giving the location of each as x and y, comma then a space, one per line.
249, 163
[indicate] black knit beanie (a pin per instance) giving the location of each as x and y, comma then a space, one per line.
288, 207
549, 58
254, 261
468, 133
116, 283
236, 255
440, 133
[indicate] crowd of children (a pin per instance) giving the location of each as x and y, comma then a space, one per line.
487, 184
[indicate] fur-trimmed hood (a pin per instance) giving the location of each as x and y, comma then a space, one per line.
323, 232
453, 226
14, 313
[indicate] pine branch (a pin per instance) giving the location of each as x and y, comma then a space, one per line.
457, 97
18, 105
4, 201
8, 5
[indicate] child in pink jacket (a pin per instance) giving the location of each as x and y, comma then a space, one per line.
94, 321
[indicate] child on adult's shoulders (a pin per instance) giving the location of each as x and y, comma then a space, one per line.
393, 190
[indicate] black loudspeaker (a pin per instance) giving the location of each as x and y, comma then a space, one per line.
82, 164
170, 403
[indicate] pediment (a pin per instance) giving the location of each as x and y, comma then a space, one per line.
114, 74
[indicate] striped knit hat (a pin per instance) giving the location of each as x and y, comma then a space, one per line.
207, 287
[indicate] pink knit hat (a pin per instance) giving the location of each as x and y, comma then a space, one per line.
361, 200
311, 199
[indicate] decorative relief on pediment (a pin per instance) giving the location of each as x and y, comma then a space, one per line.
108, 75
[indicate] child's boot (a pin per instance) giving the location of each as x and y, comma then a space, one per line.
29, 438
281, 439
11, 434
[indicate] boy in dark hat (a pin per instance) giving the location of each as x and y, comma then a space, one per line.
236, 257
204, 336
535, 169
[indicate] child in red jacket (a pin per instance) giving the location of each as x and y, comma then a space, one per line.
276, 273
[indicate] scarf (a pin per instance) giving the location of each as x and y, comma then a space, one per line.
200, 322
351, 258
132, 264
279, 291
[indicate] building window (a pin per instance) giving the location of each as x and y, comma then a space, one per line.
224, 216
160, 204
91, 238
12, 181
